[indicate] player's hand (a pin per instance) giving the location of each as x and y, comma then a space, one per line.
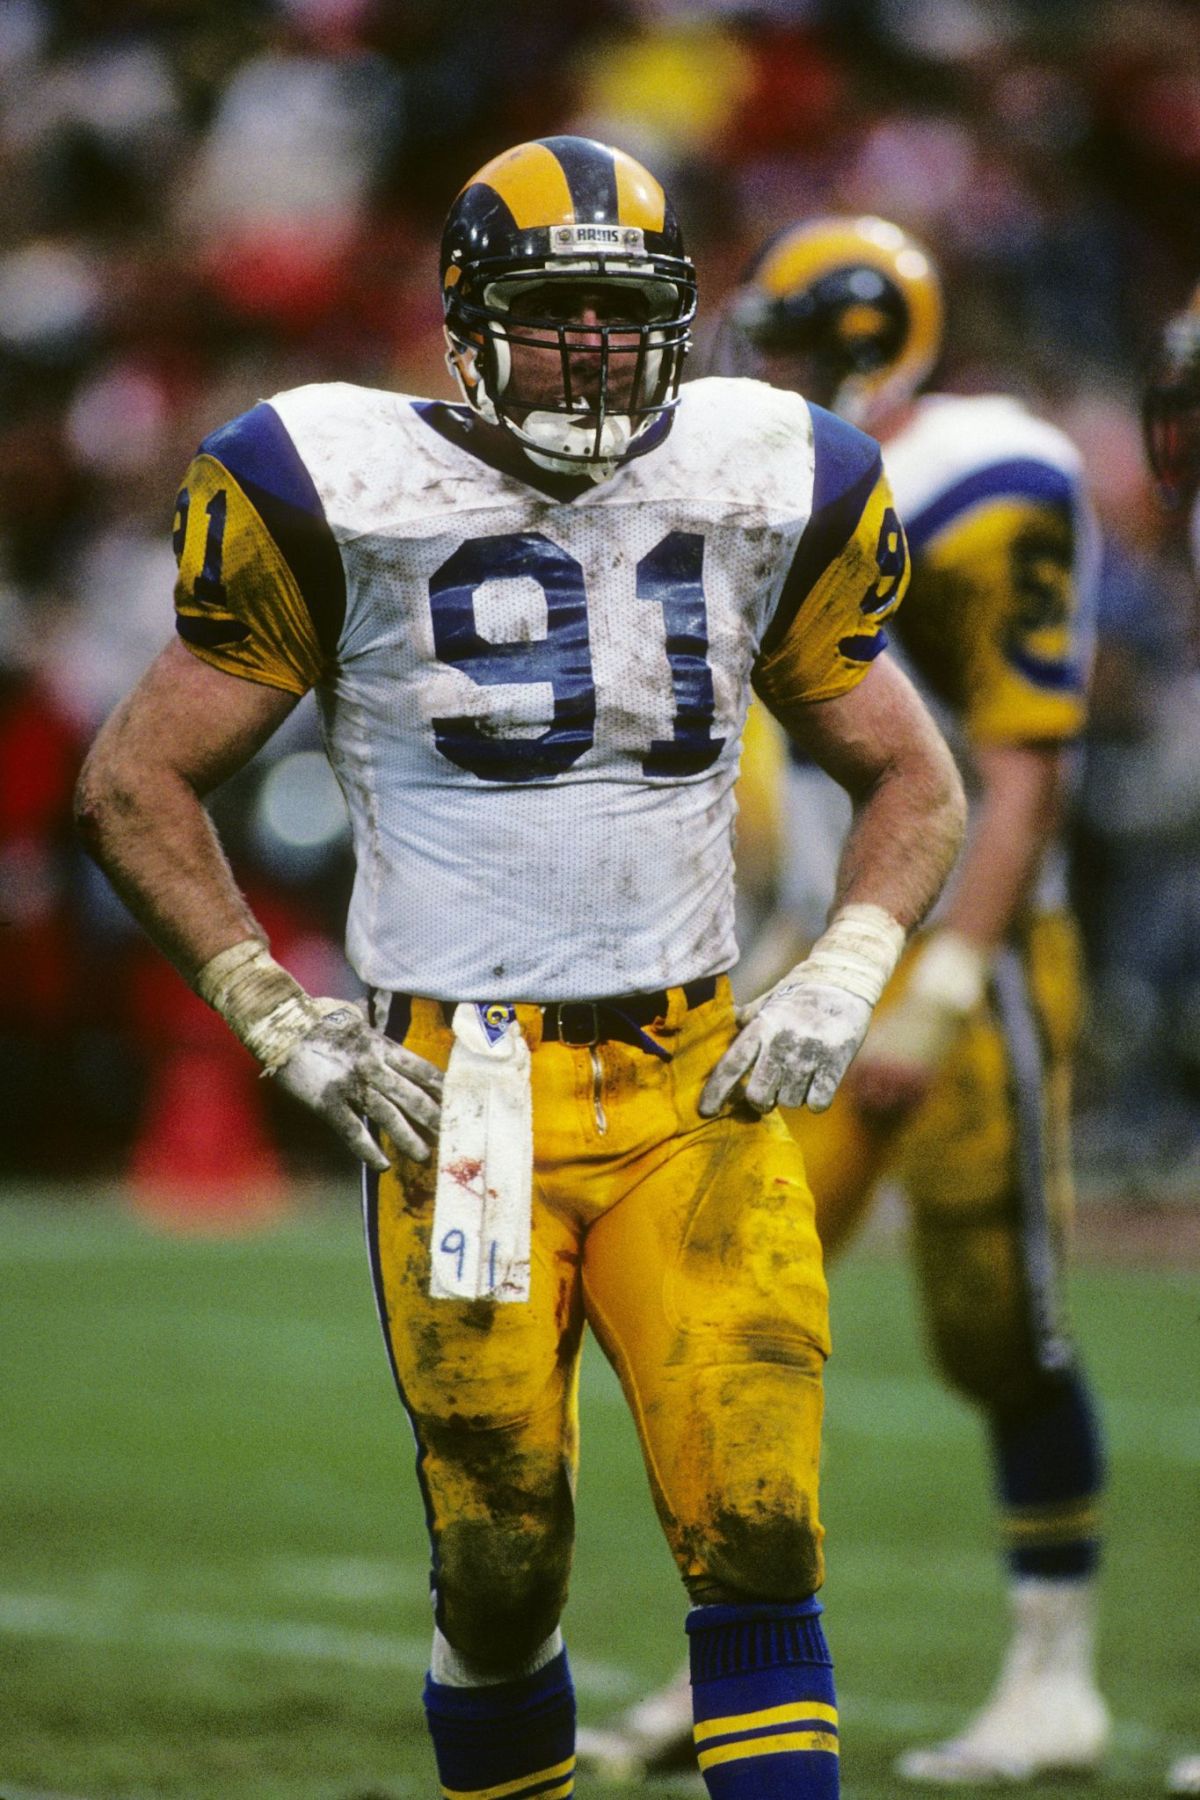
324, 1053
341, 1069
909, 1040
888, 1091
795, 1045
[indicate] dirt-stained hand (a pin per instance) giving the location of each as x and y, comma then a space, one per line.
795, 1045
342, 1069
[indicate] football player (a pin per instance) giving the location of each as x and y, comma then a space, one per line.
1171, 416
962, 1085
532, 621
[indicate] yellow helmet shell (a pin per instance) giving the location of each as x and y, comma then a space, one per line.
875, 292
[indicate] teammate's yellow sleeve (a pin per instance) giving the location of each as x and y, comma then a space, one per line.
760, 829
260, 592
836, 628
1003, 577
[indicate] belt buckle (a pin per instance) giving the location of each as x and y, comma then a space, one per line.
578, 1043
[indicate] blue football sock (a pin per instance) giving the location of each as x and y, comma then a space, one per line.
1050, 1473
519, 1735
763, 1702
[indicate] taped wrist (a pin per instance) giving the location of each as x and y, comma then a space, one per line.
264, 1006
951, 972
857, 951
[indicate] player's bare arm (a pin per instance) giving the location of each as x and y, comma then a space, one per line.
879, 742
183, 730
1018, 814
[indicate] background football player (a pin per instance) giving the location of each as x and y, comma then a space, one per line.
1171, 417
963, 1084
532, 621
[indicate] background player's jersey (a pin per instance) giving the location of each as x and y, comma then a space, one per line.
997, 628
1004, 557
534, 705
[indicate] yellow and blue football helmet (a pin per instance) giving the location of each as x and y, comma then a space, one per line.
1171, 407
563, 210
856, 302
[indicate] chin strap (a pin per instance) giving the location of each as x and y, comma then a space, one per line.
542, 434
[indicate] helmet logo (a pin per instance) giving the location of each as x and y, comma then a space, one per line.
568, 240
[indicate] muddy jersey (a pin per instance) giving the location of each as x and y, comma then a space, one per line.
533, 704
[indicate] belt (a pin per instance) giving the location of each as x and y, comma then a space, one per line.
581, 1023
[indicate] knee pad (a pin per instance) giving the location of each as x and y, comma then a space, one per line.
761, 1555
986, 1332
997, 1370
499, 1596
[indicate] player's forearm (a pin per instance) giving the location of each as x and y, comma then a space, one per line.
1016, 819
906, 833
151, 835
183, 730
144, 823
879, 742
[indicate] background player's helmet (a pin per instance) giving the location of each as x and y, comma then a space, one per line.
1171, 407
857, 303
563, 210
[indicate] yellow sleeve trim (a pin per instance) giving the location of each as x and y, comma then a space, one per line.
838, 628
238, 604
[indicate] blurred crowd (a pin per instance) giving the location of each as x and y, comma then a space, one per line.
200, 206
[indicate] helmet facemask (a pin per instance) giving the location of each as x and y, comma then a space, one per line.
1171, 412
848, 311
834, 341
577, 358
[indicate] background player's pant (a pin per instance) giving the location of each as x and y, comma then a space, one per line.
985, 1164
689, 1246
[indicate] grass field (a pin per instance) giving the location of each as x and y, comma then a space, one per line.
212, 1577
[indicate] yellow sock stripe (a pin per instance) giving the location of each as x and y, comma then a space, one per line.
506, 1788
1052, 1524
773, 1715
1086, 1504
768, 1746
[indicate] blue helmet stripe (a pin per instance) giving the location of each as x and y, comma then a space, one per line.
591, 176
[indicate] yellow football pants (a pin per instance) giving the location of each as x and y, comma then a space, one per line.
985, 1165
689, 1246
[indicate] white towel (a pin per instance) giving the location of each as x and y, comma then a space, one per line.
481, 1216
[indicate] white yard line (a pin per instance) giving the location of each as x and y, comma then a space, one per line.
51, 1616
75, 1621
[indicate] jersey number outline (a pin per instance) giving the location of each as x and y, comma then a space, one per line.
214, 627
890, 557
669, 575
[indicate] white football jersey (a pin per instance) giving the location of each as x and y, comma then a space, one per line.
998, 626
534, 705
